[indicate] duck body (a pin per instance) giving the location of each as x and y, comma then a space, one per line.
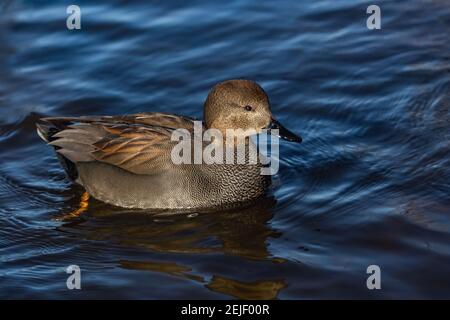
127, 160
184, 187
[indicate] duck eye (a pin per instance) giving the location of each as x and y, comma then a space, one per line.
248, 108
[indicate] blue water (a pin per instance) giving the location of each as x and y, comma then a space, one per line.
370, 185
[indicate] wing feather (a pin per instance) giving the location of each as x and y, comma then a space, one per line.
139, 143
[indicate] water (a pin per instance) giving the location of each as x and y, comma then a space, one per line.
369, 185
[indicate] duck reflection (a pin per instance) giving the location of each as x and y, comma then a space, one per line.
238, 232
256, 290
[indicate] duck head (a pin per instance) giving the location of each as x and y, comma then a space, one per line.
242, 104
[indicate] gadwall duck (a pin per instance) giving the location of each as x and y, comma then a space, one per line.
126, 160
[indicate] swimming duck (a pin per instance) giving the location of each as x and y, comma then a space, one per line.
126, 160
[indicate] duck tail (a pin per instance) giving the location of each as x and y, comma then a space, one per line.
48, 127
43, 131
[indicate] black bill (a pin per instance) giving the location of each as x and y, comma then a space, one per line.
284, 133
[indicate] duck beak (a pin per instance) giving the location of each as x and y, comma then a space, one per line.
283, 132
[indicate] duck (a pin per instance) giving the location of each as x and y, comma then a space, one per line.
126, 160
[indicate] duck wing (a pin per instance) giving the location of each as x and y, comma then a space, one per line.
139, 143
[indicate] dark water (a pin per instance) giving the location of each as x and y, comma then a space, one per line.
369, 185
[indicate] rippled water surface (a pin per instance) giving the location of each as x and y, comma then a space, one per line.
369, 185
